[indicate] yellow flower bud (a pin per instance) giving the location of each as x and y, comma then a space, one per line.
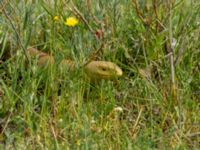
56, 18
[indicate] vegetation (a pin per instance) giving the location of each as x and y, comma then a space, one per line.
154, 105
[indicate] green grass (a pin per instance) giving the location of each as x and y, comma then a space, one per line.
51, 108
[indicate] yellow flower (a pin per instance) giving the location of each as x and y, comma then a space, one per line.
56, 18
71, 21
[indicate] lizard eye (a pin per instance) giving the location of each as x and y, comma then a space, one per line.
104, 69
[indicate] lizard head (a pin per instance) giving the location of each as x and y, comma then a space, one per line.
102, 70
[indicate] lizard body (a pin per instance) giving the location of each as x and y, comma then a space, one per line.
95, 70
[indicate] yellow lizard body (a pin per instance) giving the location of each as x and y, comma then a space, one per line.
95, 70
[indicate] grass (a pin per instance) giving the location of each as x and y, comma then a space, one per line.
154, 105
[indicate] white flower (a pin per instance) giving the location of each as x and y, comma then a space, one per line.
93, 121
174, 42
118, 109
